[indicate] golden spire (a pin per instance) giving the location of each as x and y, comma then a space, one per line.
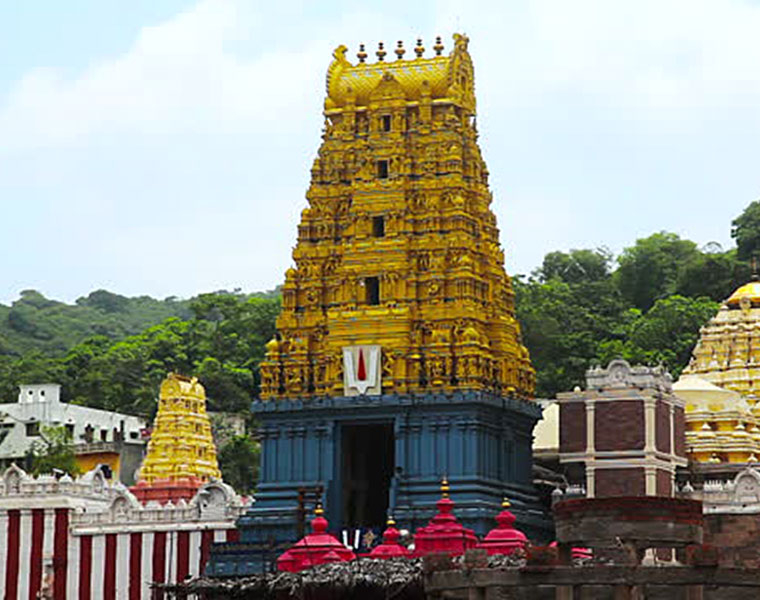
419, 49
380, 52
400, 50
181, 447
375, 282
438, 46
722, 381
444, 487
505, 503
318, 510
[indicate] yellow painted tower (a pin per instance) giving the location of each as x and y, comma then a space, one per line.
398, 252
398, 358
721, 385
181, 455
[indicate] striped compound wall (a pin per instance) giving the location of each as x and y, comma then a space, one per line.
84, 539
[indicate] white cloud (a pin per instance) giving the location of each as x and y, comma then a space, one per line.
193, 146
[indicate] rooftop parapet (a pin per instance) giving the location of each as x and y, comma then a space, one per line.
437, 77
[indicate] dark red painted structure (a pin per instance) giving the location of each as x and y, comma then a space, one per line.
504, 538
444, 533
316, 548
390, 548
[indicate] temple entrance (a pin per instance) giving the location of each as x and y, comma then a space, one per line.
368, 462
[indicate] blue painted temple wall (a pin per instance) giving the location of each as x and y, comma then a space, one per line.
481, 442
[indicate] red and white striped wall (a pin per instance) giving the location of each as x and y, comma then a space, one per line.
115, 563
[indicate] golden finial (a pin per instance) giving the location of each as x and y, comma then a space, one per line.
361, 55
390, 522
438, 46
505, 503
400, 50
380, 52
445, 487
419, 49
319, 511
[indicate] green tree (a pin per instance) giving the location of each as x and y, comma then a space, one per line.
562, 322
712, 274
650, 269
54, 451
665, 335
745, 229
576, 266
239, 463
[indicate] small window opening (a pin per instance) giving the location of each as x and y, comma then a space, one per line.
104, 435
70, 430
378, 226
385, 122
32, 429
382, 169
372, 286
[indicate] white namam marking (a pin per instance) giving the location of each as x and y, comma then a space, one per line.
352, 376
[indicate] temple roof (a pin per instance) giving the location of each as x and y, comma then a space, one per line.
750, 291
700, 394
439, 77
720, 384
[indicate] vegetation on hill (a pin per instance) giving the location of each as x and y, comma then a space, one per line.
578, 308
585, 306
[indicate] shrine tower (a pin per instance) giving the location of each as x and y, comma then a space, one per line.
181, 453
398, 357
721, 385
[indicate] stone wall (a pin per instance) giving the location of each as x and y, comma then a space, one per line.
737, 536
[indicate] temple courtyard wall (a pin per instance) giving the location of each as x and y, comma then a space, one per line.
88, 539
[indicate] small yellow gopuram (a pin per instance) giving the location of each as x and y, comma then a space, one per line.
398, 252
181, 455
722, 382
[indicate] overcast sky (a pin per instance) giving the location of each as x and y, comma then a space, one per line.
163, 147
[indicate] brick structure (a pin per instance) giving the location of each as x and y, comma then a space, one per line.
732, 517
618, 437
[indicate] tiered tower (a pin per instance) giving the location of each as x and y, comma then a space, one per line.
722, 424
398, 247
398, 357
181, 454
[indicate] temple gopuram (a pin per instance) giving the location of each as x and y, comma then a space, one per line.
398, 358
181, 454
720, 387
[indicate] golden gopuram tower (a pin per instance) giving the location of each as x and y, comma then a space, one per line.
398, 247
721, 384
398, 358
181, 455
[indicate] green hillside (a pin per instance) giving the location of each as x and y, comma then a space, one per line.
34, 323
580, 307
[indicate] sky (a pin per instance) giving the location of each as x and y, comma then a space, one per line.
163, 147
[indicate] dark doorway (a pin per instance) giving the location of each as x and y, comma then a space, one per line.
368, 461
372, 287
